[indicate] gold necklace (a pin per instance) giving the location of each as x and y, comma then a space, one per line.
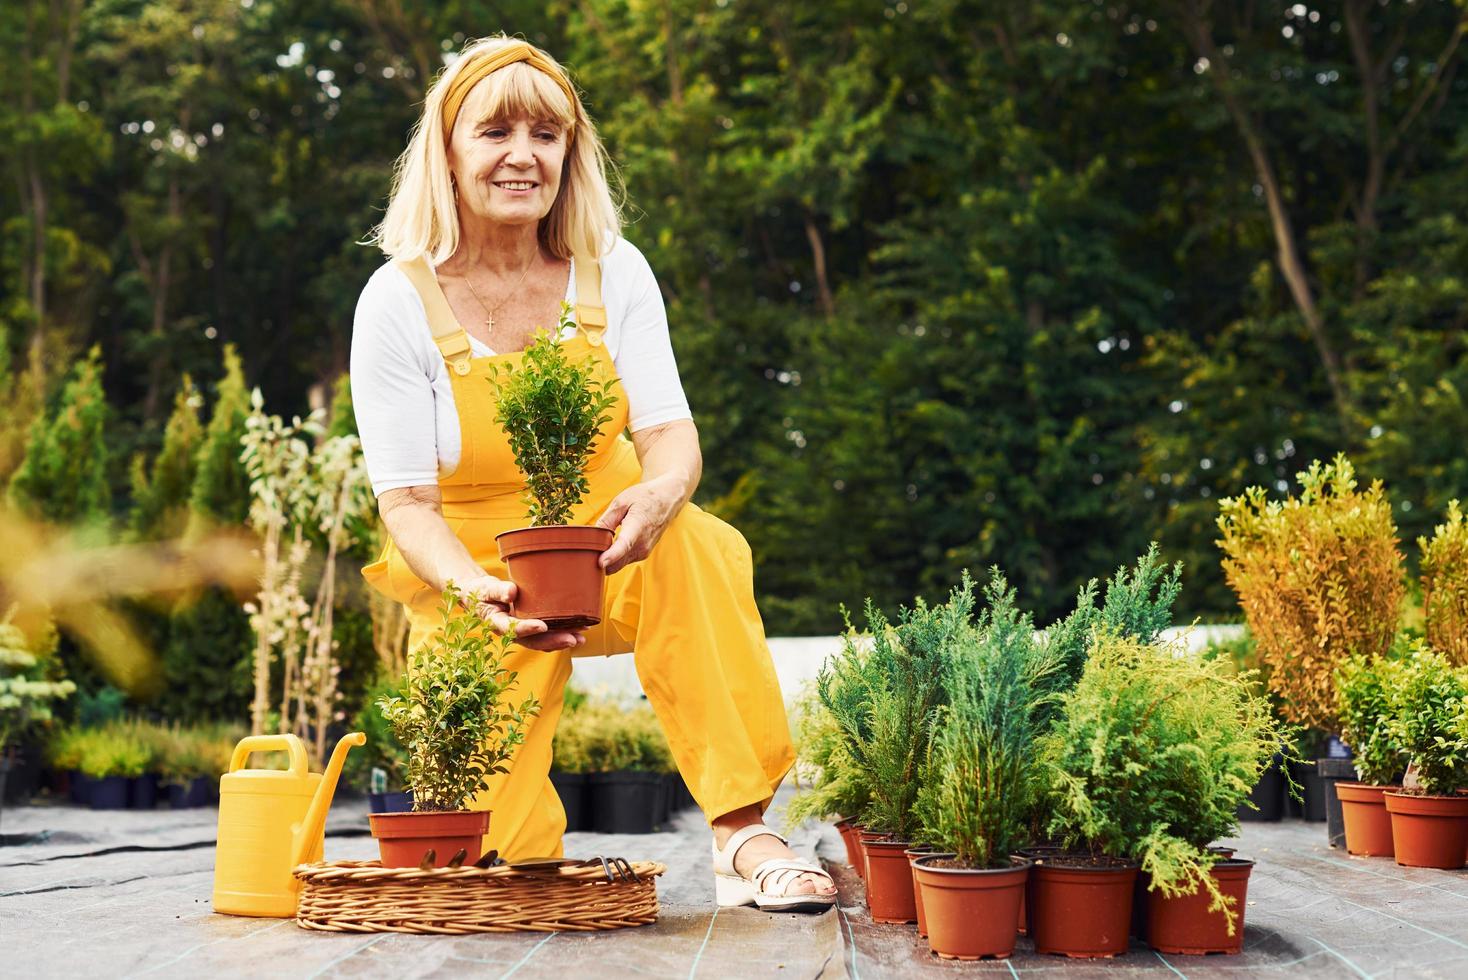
489, 313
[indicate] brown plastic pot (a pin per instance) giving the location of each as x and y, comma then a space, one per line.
1184, 925
1027, 854
847, 828
972, 913
404, 838
1368, 825
859, 864
1079, 911
1428, 831
889, 880
913, 853
557, 575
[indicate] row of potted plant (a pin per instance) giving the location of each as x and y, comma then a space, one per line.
1406, 715
135, 764
996, 779
613, 769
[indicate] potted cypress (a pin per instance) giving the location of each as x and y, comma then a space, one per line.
552, 411
883, 696
1149, 742
454, 717
1365, 689
979, 783
1429, 815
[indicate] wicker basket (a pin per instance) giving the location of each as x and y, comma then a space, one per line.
363, 896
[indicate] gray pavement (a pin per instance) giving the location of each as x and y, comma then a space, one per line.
127, 894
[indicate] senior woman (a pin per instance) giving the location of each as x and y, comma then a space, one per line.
500, 211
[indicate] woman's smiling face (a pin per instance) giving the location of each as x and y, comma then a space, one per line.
506, 170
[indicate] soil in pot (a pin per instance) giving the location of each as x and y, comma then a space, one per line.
108, 793
913, 853
571, 788
1428, 831
404, 838
556, 572
1080, 906
390, 802
971, 913
889, 880
1268, 795
626, 802
1184, 924
1368, 826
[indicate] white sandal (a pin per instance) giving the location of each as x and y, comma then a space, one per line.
767, 887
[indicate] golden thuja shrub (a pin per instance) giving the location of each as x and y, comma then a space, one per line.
1445, 585
1319, 577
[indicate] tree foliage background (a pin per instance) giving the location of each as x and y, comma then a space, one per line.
950, 283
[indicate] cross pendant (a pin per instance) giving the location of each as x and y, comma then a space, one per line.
489, 322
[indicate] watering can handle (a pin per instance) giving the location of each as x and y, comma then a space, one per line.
271, 743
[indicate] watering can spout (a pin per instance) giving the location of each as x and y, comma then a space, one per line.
314, 825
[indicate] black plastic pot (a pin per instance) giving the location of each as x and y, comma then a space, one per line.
572, 789
1268, 795
108, 793
142, 793
1312, 789
390, 802
682, 795
186, 796
81, 788
25, 775
628, 802
1332, 771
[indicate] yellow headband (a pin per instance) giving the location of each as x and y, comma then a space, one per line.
492, 62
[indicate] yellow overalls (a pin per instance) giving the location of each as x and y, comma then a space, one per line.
687, 611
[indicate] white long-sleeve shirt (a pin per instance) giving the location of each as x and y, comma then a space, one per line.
404, 400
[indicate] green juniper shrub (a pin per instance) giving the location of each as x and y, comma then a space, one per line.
453, 713
1364, 688
883, 698
1152, 754
552, 411
979, 782
831, 783
1428, 701
31, 681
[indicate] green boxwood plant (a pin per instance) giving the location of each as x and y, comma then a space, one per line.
552, 411
1365, 687
1427, 703
453, 713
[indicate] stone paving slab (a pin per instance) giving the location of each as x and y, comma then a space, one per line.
127, 894
124, 894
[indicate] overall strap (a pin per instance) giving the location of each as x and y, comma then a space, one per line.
451, 339
591, 315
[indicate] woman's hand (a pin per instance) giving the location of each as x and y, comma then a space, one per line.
643, 511
491, 597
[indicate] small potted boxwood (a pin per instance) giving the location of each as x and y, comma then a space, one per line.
1365, 688
454, 716
980, 783
1429, 815
552, 412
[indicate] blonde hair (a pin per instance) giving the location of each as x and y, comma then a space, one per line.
422, 218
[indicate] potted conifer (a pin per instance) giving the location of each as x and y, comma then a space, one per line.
1429, 815
979, 783
454, 716
883, 696
1147, 734
1364, 695
831, 784
552, 412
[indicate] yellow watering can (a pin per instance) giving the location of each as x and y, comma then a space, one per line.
269, 822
